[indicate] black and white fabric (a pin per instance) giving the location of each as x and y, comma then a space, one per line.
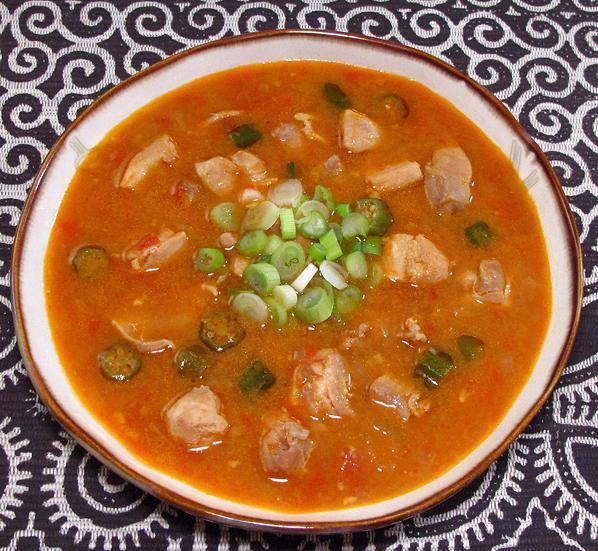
540, 57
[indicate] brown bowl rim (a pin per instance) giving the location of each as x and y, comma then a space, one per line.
248, 522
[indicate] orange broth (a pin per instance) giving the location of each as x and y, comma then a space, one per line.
388, 456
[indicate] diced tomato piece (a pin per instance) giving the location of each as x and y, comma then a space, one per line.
148, 241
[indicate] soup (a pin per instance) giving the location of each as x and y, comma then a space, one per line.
299, 285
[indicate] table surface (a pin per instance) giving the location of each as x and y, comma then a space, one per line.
538, 56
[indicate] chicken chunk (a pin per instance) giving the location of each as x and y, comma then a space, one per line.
323, 383
308, 128
333, 165
285, 446
218, 174
389, 392
160, 150
196, 417
490, 285
395, 177
358, 132
251, 164
447, 179
289, 134
154, 250
413, 259
133, 332
413, 331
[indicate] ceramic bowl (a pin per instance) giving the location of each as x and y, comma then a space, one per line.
475, 102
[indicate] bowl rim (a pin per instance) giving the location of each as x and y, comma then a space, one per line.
97, 449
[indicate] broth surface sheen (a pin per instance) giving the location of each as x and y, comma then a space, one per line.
371, 454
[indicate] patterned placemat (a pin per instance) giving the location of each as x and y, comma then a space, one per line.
538, 56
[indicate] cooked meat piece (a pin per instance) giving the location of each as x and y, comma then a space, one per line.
284, 445
221, 115
490, 285
238, 265
323, 383
308, 128
289, 134
447, 179
395, 177
389, 392
358, 132
195, 417
250, 195
227, 240
184, 192
333, 165
152, 251
160, 150
251, 164
218, 174
133, 332
413, 259
413, 332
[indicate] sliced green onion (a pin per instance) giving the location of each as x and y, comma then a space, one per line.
287, 224
377, 213
303, 279
261, 217
250, 306
376, 275
336, 96
227, 216
311, 205
348, 300
343, 209
470, 347
355, 224
289, 260
351, 245
285, 295
479, 234
356, 265
286, 194
319, 281
261, 277
252, 243
334, 274
274, 241
317, 252
372, 245
324, 195
208, 259
292, 169
277, 312
331, 244
313, 225
245, 135
314, 306
338, 231
256, 379
434, 366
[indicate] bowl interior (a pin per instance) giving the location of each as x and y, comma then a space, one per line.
34, 331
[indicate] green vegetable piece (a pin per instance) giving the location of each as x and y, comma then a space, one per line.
313, 226
348, 299
292, 169
376, 275
319, 281
257, 378
227, 216
220, 331
324, 195
330, 242
372, 245
286, 296
289, 260
274, 241
392, 107
336, 96
277, 312
250, 306
261, 277
434, 366
245, 135
310, 205
317, 252
338, 232
208, 260
355, 224
120, 361
470, 347
252, 243
314, 305
192, 361
357, 265
343, 209
288, 229
479, 234
263, 259
261, 217
377, 213
91, 262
